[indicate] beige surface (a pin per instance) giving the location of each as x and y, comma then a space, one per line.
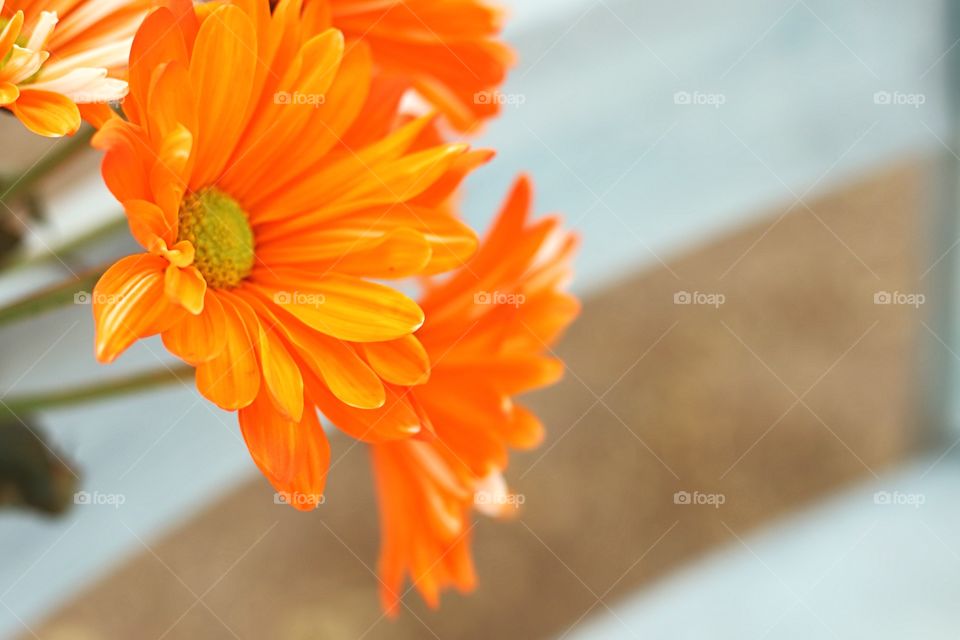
659, 398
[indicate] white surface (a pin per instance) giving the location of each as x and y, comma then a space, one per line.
849, 568
642, 177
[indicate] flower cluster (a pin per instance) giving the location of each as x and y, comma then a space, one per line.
280, 186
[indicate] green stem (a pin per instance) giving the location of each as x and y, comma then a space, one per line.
105, 229
63, 150
69, 292
17, 405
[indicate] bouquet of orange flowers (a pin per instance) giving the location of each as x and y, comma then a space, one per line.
285, 166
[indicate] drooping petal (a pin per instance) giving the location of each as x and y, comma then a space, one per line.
281, 376
293, 455
129, 303
232, 379
47, 113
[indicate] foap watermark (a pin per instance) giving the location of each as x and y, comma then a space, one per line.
297, 98
298, 499
490, 498
899, 99
700, 98
502, 99
299, 298
499, 297
95, 498
900, 298
699, 297
899, 498
87, 297
715, 500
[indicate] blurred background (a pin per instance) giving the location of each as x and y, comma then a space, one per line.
757, 433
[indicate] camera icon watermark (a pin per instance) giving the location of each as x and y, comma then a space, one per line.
898, 498
700, 98
95, 498
296, 98
298, 499
299, 298
86, 297
899, 99
914, 300
490, 498
699, 298
715, 500
502, 99
499, 298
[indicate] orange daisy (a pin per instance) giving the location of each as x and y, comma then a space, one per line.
264, 223
487, 332
447, 50
58, 54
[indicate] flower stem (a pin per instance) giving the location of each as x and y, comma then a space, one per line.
63, 150
103, 230
59, 295
16, 405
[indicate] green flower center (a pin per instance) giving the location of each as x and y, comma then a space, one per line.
221, 236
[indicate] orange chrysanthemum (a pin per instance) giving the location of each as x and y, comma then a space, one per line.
264, 223
487, 333
58, 54
445, 49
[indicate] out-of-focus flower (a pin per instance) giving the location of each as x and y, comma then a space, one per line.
445, 49
264, 224
487, 333
58, 54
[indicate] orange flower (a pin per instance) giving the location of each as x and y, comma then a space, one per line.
445, 49
264, 224
60, 53
487, 333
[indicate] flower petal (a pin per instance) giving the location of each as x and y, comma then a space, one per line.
281, 375
232, 379
199, 338
226, 40
293, 455
344, 307
403, 361
185, 287
129, 304
47, 113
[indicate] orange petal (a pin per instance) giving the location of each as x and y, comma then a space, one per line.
396, 419
336, 363
186, 287
510, 374
293, 455
158, 41
47, 113
281, 375
199, 338
398, 253
403, 361
129, 304
524, 429
232, 379
343, 307
10, 33
8, 93
96, 113
226, 40
148, 223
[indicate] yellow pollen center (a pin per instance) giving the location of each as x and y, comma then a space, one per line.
220, 233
